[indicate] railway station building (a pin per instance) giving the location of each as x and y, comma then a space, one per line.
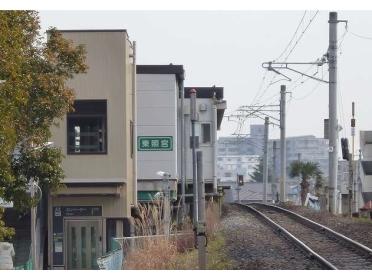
97, 142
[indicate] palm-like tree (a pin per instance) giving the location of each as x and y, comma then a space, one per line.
305, 170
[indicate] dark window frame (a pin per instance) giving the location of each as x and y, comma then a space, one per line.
77, 115
202, 134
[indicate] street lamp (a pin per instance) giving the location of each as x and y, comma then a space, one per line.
32, 187
166, 177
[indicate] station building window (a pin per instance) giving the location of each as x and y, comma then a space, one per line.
87, 127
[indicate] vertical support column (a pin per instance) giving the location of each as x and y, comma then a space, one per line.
214, 146
238, 188
333, 122
350, 187
273, 174
355, 207
193, 118
265, 160
33, 229
134, 121
283, 163
201, 229
167, 210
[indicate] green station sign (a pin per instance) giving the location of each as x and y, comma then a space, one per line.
154, 143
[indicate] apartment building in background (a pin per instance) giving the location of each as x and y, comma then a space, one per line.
251, 144
229, 166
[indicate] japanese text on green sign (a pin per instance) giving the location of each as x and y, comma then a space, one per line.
155, 143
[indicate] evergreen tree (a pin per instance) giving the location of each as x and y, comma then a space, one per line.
257, 175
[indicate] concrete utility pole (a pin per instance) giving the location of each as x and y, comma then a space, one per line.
265, 160
238, 188
201, 228
193, 118
358, 182
273, 174
35, 264
283, 173
167, 209
333, 122
355, 208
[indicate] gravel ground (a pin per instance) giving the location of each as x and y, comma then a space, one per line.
250, 244
355, 228
332, 250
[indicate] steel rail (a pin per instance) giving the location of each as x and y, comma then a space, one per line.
322, 228
301, 245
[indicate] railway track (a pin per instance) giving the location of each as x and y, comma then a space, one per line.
330, 249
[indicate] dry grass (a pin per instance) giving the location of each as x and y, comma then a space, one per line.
212, 216
154, 253
173, 252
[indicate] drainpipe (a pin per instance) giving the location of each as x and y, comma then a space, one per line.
214, 111
134, 123
183, 149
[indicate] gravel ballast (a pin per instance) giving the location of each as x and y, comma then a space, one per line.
251, 244
357, 229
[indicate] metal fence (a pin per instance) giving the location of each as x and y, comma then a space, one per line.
115, 259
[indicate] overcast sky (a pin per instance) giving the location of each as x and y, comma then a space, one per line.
227, 48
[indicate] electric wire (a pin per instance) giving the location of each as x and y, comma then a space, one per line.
341, 40
293, 37
260, 87
341, 105
292, 49
310, 92
281, 54
302, 34
295, 84
259, 95
360, 36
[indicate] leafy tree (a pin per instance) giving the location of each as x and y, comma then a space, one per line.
5, 232
305, 170
33, 93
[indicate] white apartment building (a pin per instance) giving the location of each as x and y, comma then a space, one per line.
210, 109
364, 170
158, 88
228, 167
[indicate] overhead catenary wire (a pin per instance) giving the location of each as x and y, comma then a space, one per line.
310, 92
293, 37
301, 36
292, 49
271, 82
263, 90
296, 83
360, 36
341, 40
341, 105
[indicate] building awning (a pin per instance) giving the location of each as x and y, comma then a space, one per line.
146, 196
89, 191
149, 196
